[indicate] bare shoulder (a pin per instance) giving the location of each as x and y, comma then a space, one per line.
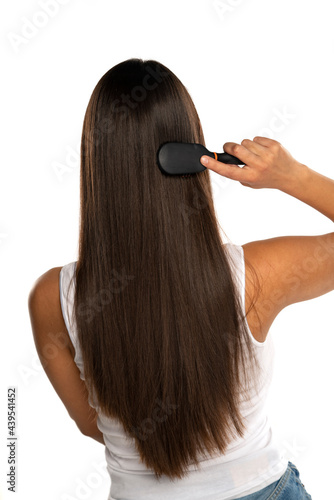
45, 289
56, 352
45, 308
290, 269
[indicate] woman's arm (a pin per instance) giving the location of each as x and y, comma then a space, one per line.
269, 165
312, 188
54, 350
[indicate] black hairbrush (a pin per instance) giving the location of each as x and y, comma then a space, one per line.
182, 158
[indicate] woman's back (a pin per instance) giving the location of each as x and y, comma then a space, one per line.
169, 329
290, 269
250, 461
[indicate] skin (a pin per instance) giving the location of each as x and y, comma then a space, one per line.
56, 352
267, 164
51, 336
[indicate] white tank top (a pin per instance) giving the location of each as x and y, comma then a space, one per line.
250, 463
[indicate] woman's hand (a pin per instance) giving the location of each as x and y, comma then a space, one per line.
267, 164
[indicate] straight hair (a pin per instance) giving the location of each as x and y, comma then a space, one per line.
159, 318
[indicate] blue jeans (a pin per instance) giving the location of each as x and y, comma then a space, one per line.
288, 487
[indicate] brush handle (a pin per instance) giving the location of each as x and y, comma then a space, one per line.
229, 159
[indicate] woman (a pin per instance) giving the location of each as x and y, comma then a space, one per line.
165, 353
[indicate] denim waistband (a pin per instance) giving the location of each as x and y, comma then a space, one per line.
288, 487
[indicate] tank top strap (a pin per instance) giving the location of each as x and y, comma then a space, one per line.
66, 291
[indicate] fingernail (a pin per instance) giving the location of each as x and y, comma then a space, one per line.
204, 160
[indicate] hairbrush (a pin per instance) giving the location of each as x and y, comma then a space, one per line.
182, 158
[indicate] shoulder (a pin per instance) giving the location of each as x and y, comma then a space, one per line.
46, 286
45, 310
44, 294
290, 269
56, 352
294, 268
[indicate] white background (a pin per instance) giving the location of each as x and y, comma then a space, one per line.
245, 63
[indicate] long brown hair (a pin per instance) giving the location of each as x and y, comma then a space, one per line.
158, 315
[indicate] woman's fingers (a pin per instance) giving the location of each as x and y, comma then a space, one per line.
231, 171
246, 154
264, 141
267, 163
255, 147
245, 147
